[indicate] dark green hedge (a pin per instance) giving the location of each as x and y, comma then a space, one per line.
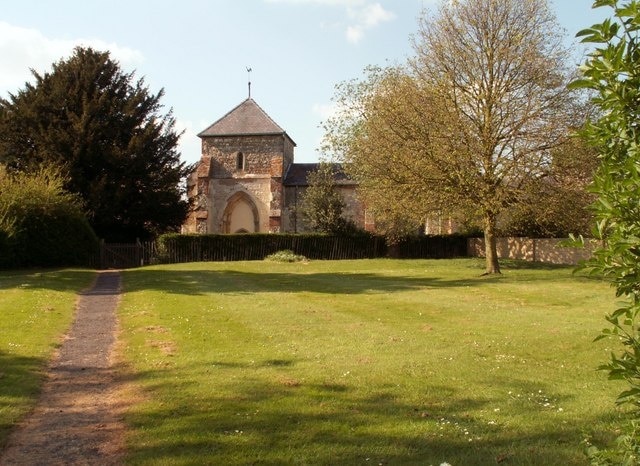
193, 248
49, 237
433, 247
175, 248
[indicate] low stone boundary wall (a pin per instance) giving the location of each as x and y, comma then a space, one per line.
546, 250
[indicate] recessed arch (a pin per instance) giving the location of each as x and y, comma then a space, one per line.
241, 214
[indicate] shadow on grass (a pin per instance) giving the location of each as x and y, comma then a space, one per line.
200, 282
20, 383
241, 365
252, 419
512, 264
49, 279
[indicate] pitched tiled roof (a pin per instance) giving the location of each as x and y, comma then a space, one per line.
246, 119
298, 172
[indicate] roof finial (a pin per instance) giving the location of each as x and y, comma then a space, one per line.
249, 73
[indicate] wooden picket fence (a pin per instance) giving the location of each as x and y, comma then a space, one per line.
256, 247
199, 248
125, 255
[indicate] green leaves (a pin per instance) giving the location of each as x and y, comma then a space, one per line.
601, 3
104, 128
612, 71
322, 203
600, 33
581, 84
40, 223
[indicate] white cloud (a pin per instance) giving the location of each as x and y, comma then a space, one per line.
325, 111
355, 33
362, 14
345, 3
22, 49
372, 15
366, 17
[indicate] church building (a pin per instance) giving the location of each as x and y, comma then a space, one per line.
247, 181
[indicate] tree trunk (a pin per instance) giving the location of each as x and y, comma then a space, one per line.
490, 249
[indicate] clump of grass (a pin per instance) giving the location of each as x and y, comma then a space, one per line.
286, 255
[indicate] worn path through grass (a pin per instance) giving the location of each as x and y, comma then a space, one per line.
76, 420
36, 309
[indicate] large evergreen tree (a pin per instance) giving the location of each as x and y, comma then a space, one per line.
105, 131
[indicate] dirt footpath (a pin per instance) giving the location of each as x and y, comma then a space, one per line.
76, 421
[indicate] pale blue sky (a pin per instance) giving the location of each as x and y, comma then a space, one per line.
198, 50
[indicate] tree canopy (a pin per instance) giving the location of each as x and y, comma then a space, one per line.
104, 130
41, 224
322, 203
561, 203
467, 122
612, 73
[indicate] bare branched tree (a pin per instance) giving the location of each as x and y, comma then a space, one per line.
468, 121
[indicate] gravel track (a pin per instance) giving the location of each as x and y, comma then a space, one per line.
77, 419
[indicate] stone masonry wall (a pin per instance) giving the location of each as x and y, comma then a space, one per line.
258, 152
265, 161
534, 249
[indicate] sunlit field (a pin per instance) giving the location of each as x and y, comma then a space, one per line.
365, 362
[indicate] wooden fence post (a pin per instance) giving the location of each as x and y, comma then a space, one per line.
102, 253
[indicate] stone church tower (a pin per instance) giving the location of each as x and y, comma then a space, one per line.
238, 184
247, 182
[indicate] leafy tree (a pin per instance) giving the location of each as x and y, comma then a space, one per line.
612, 73
322, 203
468, 121
40, 223
558, 204
106, 133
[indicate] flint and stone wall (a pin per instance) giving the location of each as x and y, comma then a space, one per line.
218, 179
535, 250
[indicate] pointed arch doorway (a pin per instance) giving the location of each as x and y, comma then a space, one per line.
241, 215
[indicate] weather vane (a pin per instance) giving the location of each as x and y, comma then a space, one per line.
249, 73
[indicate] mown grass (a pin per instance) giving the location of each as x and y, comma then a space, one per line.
36, 308
365, 362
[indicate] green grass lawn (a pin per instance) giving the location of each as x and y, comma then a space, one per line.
365, 362
36, 309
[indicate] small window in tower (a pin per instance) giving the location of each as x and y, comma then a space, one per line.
240, 161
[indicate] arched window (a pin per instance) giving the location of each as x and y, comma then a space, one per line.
240, 161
